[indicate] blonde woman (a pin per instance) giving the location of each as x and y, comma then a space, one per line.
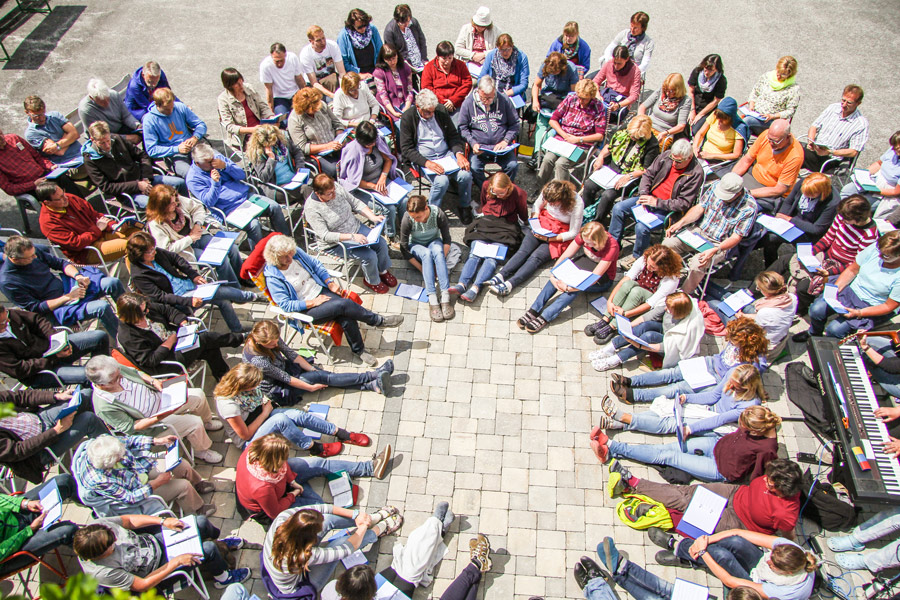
668, 108
354, 103
275, 159
776, 95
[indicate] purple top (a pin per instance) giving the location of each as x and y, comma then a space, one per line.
352, 161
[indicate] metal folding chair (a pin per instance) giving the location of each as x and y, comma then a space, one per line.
349, 266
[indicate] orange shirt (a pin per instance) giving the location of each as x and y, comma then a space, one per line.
771, 168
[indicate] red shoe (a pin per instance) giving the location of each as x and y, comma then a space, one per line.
359, 439
599, 435
331, 449
378, 288
388, 279
600, 450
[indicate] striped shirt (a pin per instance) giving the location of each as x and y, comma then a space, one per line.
140, 397
838, 132
843, 241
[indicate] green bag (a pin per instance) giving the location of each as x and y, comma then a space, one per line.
640, 512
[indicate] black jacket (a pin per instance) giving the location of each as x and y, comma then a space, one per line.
409, 134
394, 37
156, 285
23, 456
143, 347
119, 172
815, 221
22, 357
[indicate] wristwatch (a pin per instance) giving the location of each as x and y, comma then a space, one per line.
701, 553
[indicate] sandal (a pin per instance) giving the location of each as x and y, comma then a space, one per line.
392, 524
527, 318
536, 324
383, 513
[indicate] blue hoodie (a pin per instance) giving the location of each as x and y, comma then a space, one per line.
226, 194
163, 133
137, 94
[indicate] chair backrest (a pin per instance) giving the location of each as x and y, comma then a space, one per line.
304, 591
255, 261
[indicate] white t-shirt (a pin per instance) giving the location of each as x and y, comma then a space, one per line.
322, 63
282, 80
305, 286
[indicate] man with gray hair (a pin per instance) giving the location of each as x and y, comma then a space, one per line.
139, 93
489, 123
427, 134
104, 104
670, 184
219, 183
776, 157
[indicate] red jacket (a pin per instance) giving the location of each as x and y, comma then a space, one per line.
74, 229
262, 496
20, 166
453, 86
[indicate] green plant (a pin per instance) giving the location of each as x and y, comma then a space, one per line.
84, 587
7, 409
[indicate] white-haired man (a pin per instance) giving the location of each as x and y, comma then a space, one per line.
104, 104
489, 123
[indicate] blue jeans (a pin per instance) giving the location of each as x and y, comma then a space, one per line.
620, 211
276, 219
85, 425
320, 574
649, 331
757, 126
471, 270
180, 163
101, 309
225, 295
531, 256
441, 183
551, 309
290, 423
434, 263
889, 382
700, 466
883, 524
235, 591
508, 163
374, 259
641, 584
229, 268
283, 106
840, 327
390, 211
665, 382
734, 554
348, 314
83, 343
650, 422
311, 467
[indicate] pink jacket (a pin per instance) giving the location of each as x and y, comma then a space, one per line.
629, 85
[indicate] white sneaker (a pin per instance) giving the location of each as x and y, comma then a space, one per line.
214, 424
605, 351
604, 364
209, 456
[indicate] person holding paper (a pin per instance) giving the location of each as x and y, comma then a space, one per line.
489, 123
315, 129
275, 159
508, 66
448, 78
869, 289
169, 279
425, 242
840, 131
707, 85
559, 211
775, 158
171, 131
885, 174
721, 137
404, 34
554, 81
619, 82
119, 476
354, 104
129, 552
776, 95
668, 108
22, 519
599, 253
671, 184
477, 37
241, 109
130, 402
427, 135
393, 79
726, 213
50, 133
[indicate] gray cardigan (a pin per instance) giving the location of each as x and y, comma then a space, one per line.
320, 128
329, 220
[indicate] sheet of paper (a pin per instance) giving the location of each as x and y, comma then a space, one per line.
517, 101
738, 300
884, 226
474, 69
299, 178
387, 590
321, 411
750, 113
625, 330
412, 292
174, 394
806, 257
186, 541
695, 373
216, 251
172, 458
569, 273
646, 217
207, 290
560, 147
448, 163
687, 590
243, 214
830, 293
51, 502
58, 341
693, 240
605, 177
599, 304
539, 229
485, 250
507, 150
188, 338
679, 425
865, 180
357, 558
72, 405
397, 191
780, 226
705, 510
341, 489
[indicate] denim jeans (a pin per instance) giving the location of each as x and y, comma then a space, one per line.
374, 259
101, 309
650, 422
320, 574
229, 268
641, 232
225, 295
283, 106
434, 264
840, 327
288, 395
276, 219
889, 382
95, 342
508, 163
235, 591
550, 307
441, 183
531, 256
311, 467
85, 425
180, 163
883, 524
641, 584
472, 274
176, 182
665, 382
390, 211
757, 126
734, 554
213, 562
465, 586
649, 331
290, 423
700, 466
348, 314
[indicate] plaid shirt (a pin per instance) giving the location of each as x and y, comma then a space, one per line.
21, 165
579, 121
721, 219
127, 482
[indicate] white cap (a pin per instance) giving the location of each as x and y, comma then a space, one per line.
729, 186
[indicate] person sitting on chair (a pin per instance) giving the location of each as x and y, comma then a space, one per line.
840, 131
104, 104
776, 157
404, 34
145, 80
314, 129
393, 82
619, 84
776, 95
508, 66
171, 131
359, 42
885, 173
275, 159
282, 75
23, 519
707, 85
489, 124
241, 110
477, 37
640, 46
50, 133
572, 46
448, 78
354, 103
721, 136
669, 108
321, 61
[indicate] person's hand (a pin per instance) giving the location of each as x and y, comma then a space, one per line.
196, 232
215, 175
572, 139
648, 200
863, 342
893, 447
157, 384
614, 106
559, 285
381, 184
810, 146
34, 506
335, 287
616, 310
597, 164
364, 520
705, 257
377, 218
462, 161
218, 164
38, 522
501, 145
62, 396
853, 313
692, 117
682, 398
783, 216
873, 170
686, 432
319, 300
184, 148
701, 154
296, 486
76, 293
622, 181
145, 186
82, 280
186, 560
199, 280
536, 107
433, 166
476, 148
173, 524
166, 440
359, 238
267, 409
171, 341
751, 105
888, 413
63, 424
269, 152
49, 147
103, 223
670, 231
448, 104
478, 57
161, 479
365, 76
196, 302
699, 545
65, 352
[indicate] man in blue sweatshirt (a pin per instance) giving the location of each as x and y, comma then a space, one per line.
219, 183
489, 123
171, 130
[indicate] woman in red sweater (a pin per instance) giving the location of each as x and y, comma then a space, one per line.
268, 481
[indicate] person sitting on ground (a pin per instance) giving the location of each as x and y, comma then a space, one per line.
167, 278
721, 136
571, 45
776, 157
726, 214
477, 37
427, 134
448, 78
241, 110
72, 224
640, 295
287, 375
149, 335
504, 205
489, 124
508, 66
881, 361
599, 255
840, 131
120, 474
559, 209
282, 75
619, 84
128, 553
22, 168
671, 184
219, 183
768, 504
292, 557
425, 243
25, 339
23, 524
869, 289
640, 46
734, 457
776, 95
128, 401
706, 87
848, 548
668, 108
50, 133
27, 279
250, 414
35, 426
630, 152
268, 480
677, 337
275, 159
118, 167
393, 82
145, 80
321, 61
299, 283
404, 34
580, 120
359, 42
331, 213
171, 131
354, 103
180, 225
314, 129
885, 172
745, 343
104, 104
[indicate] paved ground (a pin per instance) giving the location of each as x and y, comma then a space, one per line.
482, 414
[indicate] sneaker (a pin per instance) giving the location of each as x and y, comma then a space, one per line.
214, 424
207, 510
627, 262
330, 449
359, 439
447, 310
381, 461
209, 456
844, 543
801, 338
470, 295
205, 487
479, 552
386, 367
615, 485
606, 363
378, 288
668, 558
602, 330
609, 555
604, 352
368, 359
585, 570
504, 288
456, 290
495, 280
591, 329
388, 279
465, 215
233, 542
436, 314
852, 561
234, 576
391, 320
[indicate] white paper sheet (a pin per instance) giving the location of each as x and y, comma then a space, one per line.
207, 290
569, 273
830, 293
299, 178
174, 394
243, 214
485, 250
448, 163
883, 226
188, 338
645, 216
695, 373
738, 300
807, 259
560, 147
623, 325
341, 490
539, 229
687, 590
172, 459
186, 541
396, 193
692, 239
775, 224
216, 250
865, 180
51, 503
705, 510
605, 177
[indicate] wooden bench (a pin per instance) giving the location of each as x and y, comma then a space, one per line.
16, 17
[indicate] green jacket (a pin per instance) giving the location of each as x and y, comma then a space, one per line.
119, 416
12, 534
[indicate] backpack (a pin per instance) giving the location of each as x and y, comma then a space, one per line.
803, 392
640, 512
822, 506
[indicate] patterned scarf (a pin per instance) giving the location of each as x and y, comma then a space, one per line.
180, 220
266, 477
570, 52
668, 104
626, 153
504, 69
647, 279
706, 84
632, 41
360, 40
